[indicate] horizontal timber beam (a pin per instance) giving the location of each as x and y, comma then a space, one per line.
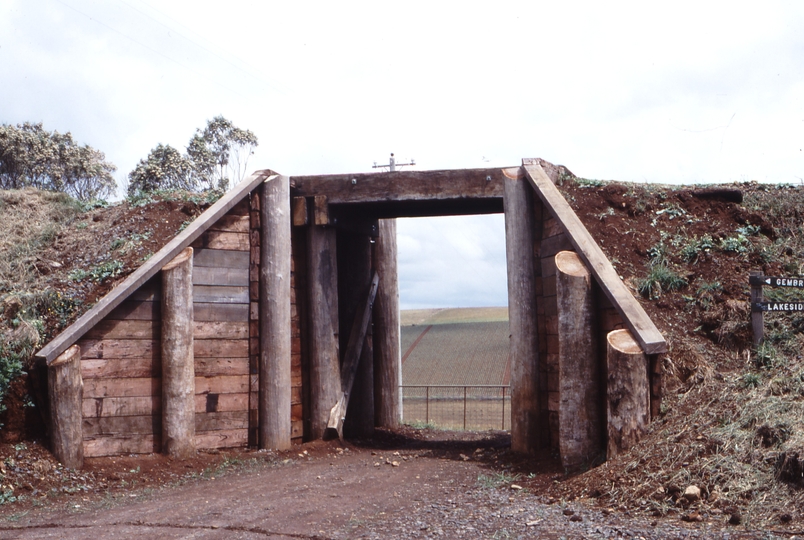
404, 186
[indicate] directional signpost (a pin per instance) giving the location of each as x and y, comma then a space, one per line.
759, 306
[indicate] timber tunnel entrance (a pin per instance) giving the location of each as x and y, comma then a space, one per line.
311, 305
564, 300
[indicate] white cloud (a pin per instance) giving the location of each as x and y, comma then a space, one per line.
681, 92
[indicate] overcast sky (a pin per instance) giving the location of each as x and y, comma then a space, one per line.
677, 92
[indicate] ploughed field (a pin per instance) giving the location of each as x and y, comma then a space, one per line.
455, 368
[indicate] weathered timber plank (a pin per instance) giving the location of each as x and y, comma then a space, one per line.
296, 429
231, 223
222, 240
230, 438
130, 387
150, 291
136, 310
220, 258
403, 186
120, 406
296, 411
122, 444
220, 330
225, 384
221, 402
221, 420
72, 333
220, 312
119, 348
299, 211
242, 206
125, 329
121, 425
148, 330
110, 368
229, 277
214, 367
554, 244
221, 348
211, 294
635, 318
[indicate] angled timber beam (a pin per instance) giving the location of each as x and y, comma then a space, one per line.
403, 186
350, 362
637, 321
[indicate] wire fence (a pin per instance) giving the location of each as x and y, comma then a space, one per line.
471, 407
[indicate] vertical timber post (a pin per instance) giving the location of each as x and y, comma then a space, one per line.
178, 363
387, 349
628, 393
354, 276
757, 317
325, 374
274, 310
579, 414
519, 227
66, 392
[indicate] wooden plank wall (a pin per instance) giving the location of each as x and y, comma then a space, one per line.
222, 331
553, 240
121, 363
121, 367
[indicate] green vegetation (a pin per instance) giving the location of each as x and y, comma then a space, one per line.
216, 156
660, 279
496, 480
99, 273
30, 156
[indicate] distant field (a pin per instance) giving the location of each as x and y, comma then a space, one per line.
410, 317
456, 346
457, 353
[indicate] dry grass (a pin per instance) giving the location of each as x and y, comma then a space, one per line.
32, 220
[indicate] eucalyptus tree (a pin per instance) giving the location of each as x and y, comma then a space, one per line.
31, 156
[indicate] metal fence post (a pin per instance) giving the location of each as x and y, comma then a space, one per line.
464, 408
503, 409
427, 405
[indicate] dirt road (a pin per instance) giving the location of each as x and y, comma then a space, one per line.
463, 489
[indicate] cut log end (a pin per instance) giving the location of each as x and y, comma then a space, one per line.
624, 342
66, 357
569, 263
179, 259
514, 173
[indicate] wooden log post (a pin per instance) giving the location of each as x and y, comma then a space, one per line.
178, 365
66, 393
275, 314
322, 282
524, 345
757, 316
579, 410
354, 278
628, 393
387, 348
